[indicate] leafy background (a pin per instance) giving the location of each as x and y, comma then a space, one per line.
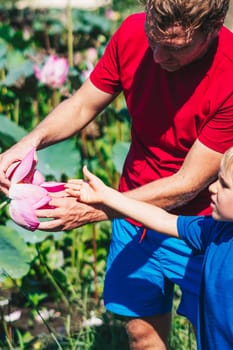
51, 284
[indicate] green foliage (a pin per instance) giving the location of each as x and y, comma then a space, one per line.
14, 254
32, 237
60, 159
10, 132
119, 153
132, 5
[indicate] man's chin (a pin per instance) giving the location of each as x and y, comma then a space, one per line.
170, 68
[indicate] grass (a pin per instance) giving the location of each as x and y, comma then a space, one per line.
67, 332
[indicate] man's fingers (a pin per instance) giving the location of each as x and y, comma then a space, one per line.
60, 194
51, 226
5, 182
46, 213
4, 189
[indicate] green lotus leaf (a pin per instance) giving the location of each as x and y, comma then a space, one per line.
14, 254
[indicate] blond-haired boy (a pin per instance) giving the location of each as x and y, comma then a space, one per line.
211, 235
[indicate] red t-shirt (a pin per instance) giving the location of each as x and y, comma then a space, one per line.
169, 110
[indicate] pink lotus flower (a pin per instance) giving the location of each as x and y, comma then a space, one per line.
29, 191
112, 15
86, 73
54, 72
91, 54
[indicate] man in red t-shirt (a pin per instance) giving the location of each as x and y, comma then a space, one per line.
175, 68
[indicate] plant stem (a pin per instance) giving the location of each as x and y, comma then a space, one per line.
70, 38
95, 261
3, 204
52, 280
101, 159
35, 307
55, 98
35, 107
16, 111
4, 325
75, 263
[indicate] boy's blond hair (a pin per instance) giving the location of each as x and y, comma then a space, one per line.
227, 162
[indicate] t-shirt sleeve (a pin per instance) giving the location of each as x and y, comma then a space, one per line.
196, 231
217, 133
105, 75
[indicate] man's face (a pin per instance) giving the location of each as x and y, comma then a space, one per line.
176, 49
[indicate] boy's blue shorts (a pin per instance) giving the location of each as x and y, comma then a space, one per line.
140, 276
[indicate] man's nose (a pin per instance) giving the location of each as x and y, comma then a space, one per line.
160, 54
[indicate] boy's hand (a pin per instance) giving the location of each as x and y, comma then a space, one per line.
89, 190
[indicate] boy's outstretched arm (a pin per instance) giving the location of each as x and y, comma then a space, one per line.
93, 190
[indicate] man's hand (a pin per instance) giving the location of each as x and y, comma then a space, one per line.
13, 154
69, 213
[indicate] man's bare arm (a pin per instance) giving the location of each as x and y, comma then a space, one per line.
71, 115
65, 120
199, 169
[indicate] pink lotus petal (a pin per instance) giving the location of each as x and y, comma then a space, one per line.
91, 54
25, 167
47, 206
23, 214
10, 171
51, 186
31, 193
37, 71
57, 188
38, 178
42, 202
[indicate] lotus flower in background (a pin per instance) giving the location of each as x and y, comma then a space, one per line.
29, 191
86, 72
90, 57
54, 72
112, 15
91, 54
